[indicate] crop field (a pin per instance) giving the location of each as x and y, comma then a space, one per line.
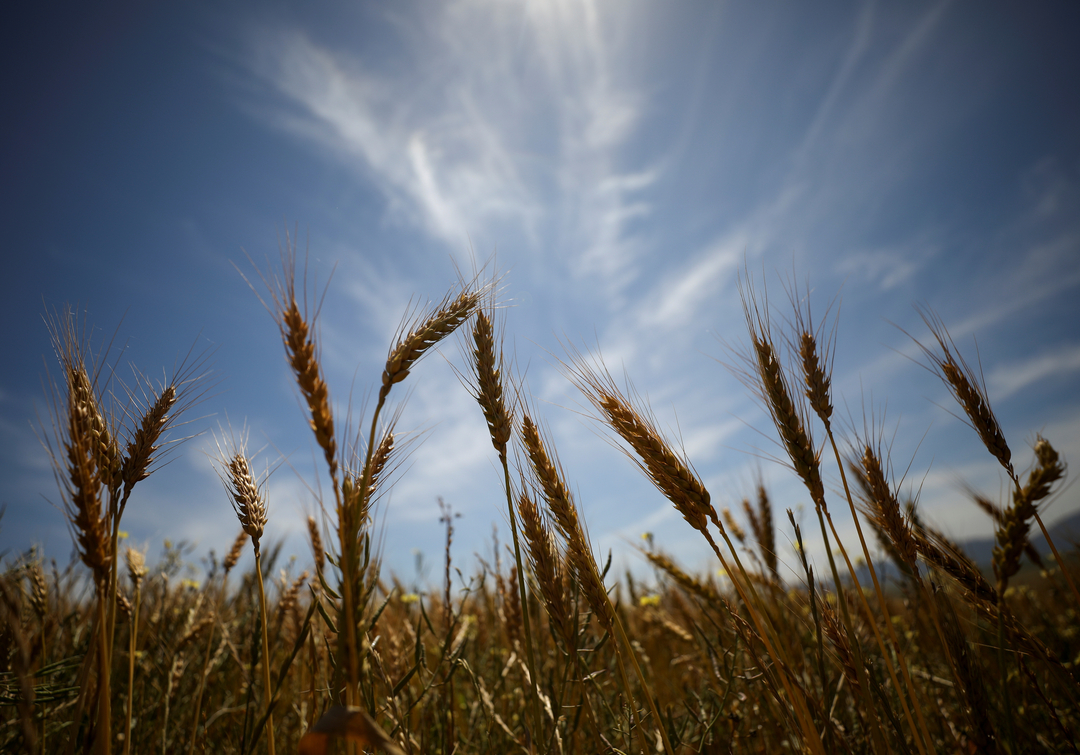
544, 650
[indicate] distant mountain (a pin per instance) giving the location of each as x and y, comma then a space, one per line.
1064, 532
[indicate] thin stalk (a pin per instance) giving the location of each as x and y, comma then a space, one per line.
635, 719
530, 656
43, 663
812, 595
104, 732
935, 617
826, 702
589, 712
268, 690
132, 650
348, 565
84, 688
1010, 726
348, 550
625, 641
798, 703
860, 669
114, 578
206, 664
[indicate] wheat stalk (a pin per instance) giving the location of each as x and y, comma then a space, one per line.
251, 510
136, 566
788, 417
90, 463
488, 363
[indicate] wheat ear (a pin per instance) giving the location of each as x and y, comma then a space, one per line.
687, 582
251, 510
317, 550
885, 509
416, 338
564, 512
90, 522
547, 566
91, 463
967, 388
766, 537
1012, 532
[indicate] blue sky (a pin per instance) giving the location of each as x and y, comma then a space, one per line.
622, 161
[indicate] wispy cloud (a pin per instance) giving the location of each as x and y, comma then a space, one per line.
887, 268
436, 167
484, 137
1007, 379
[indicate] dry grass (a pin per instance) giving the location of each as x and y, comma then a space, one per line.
552, 654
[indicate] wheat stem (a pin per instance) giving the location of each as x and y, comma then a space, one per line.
920, 733
267, 689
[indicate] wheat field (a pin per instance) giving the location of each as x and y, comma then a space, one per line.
545, 650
